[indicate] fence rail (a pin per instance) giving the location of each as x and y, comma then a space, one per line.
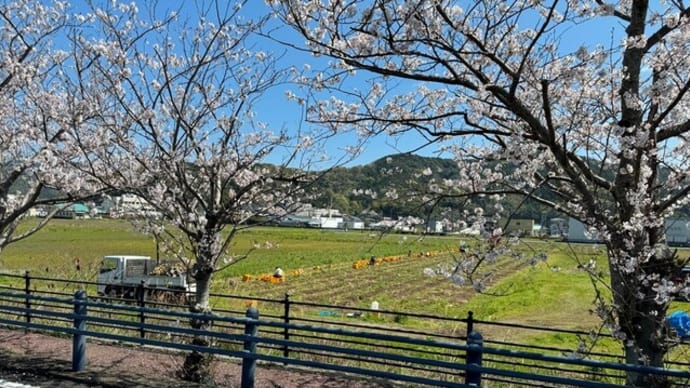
336, 343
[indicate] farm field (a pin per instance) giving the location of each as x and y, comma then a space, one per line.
62, 242
319, 269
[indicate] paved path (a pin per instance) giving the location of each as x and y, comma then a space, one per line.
45, 361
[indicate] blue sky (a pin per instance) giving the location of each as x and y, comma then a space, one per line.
278, 112
274, 108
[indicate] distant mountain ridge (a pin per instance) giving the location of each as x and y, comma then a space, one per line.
347, 189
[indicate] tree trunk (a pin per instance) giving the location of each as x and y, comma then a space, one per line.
648, 342
641, 312
197, 365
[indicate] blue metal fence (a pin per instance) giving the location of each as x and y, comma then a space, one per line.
364, 348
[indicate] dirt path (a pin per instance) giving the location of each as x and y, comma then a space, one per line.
42, 360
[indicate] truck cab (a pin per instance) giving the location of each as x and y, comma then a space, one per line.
112, 271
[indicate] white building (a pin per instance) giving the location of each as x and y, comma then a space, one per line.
128, 205
404, 224
435, 227
321, 217
677, 232
327, 222
350, 222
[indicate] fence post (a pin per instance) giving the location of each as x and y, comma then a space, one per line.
141, 298
474, 358
286, 321
27, 301
79, 338
249, 360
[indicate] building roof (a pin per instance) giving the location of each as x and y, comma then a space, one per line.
78, 208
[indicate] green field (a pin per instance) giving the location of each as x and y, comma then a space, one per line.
553, 293
530, 294
62, 242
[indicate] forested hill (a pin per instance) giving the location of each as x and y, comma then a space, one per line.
345, 189
360, 190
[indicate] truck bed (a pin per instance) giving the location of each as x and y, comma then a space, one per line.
156, 281
139, 267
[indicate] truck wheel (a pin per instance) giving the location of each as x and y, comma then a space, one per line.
108, 294
115, 293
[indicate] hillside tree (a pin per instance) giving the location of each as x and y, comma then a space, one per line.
38, 115
599, 121
184, 133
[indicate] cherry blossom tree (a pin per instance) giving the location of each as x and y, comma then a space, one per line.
534, 104
183, 133
38, 114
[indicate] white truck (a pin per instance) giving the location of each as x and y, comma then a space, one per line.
120, 276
